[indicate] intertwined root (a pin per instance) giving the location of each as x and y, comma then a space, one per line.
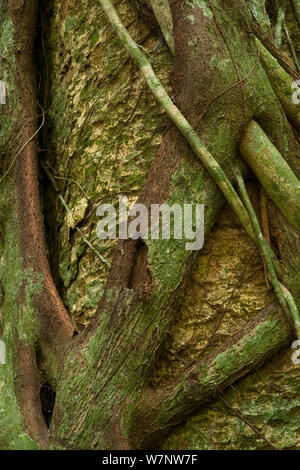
110, 363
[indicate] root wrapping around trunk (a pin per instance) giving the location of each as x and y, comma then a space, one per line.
261, 338
36, 325
283, 85
243, 210
43, 325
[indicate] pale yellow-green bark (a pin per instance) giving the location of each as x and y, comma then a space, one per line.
163, 15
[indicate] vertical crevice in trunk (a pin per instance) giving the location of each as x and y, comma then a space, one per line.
140, 278
47, 397
48, 195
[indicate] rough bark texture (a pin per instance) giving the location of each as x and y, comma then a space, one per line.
172, 327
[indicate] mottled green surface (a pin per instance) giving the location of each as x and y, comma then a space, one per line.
268, 398
275, 175
15, 316
227, 288
105, 130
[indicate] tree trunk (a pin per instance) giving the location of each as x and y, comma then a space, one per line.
133, 373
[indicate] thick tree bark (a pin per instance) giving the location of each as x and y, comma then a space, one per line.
35, 320
102, 376
140, 345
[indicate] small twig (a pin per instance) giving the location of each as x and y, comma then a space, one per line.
71, 181
270, 46
242, 207
245, 81
66, 206
231, 54
271, 416
23, 146
264, 224
284, 297
296, 8
239, 415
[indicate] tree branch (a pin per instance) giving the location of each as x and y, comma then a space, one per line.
273, 172
281, 83
261, 338
266, 41
177, 117
163, 15
36, 323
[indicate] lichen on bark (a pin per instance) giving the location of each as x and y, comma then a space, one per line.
102, 132
103, 119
